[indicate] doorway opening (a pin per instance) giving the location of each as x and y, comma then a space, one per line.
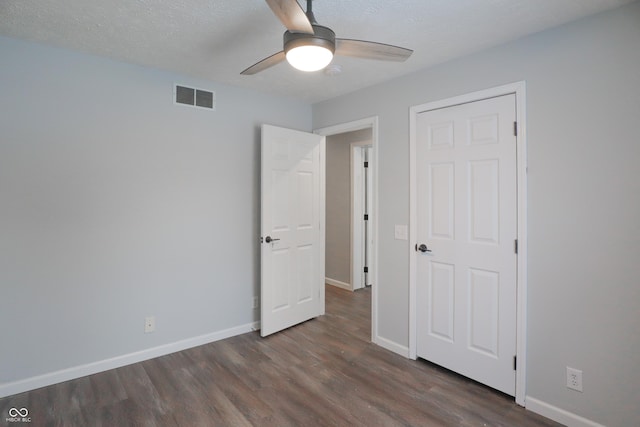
348, 208
351, 208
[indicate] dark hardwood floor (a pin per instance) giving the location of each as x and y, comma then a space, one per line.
323, 372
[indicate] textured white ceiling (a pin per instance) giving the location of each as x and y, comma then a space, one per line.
216, 39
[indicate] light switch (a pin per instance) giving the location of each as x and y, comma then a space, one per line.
401, 232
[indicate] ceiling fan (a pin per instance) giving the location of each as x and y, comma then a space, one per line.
309, 46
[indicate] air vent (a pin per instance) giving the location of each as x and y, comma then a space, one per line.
194, 97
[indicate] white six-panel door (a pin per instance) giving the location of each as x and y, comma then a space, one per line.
292, 277
467, 220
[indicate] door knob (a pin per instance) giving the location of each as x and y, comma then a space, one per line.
268, 239
422, 248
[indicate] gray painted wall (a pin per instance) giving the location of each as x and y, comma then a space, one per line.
338, 210
116, 204
583, 106
338, 203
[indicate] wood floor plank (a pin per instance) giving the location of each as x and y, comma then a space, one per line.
324, 372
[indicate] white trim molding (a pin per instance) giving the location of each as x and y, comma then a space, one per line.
338, 284
519, 89
393, 346
558, 415
11, 388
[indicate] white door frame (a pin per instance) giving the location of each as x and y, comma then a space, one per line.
366, 123
519, 89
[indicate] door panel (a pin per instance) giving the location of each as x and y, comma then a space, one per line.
467, 217
291, 275
484, 193
441, 193
483, 311
442, 287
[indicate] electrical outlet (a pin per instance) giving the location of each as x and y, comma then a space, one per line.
149, 324
574, 379
256, 302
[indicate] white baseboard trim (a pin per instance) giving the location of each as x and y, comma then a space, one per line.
392, 346
558, 415
338, 284
11, 388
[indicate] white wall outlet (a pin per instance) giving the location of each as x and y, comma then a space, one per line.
401, 232
256, 302
149, 324
574, 379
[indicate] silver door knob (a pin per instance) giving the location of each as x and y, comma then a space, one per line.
268, 239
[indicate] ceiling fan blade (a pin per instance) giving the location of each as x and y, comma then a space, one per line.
272, 60
371, 50
291, 15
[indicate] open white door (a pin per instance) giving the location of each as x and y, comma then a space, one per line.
292, 275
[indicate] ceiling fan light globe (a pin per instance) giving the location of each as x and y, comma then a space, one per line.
309, 57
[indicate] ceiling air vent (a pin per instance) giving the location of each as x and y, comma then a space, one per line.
194, 97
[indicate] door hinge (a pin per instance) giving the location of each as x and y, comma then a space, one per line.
366, 164
515, 128
366, 217
515, 246
515, 363
366, 269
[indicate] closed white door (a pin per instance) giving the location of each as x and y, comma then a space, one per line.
292, 273
467, 231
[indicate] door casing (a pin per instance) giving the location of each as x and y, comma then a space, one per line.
366, 123
519, 89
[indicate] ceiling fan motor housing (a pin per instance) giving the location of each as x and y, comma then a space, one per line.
322, 36
310, 47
